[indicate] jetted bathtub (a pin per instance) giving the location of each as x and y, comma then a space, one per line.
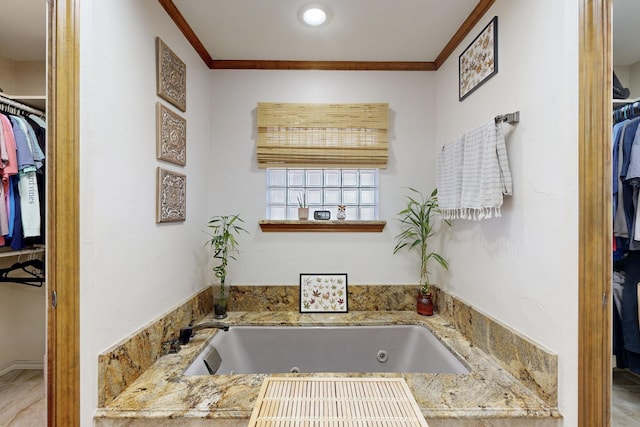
312, 349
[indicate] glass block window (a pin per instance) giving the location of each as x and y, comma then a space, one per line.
323, 189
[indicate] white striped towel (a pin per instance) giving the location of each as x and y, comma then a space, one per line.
473, 174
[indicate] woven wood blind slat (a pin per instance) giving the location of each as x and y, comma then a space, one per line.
328, 135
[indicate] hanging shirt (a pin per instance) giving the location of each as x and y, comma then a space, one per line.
39, 127
10, 169
624, 217
17, 242
29, 204
27, 184
11, 163
25, 158
615, 138
632, 178
4, 216
40, 133
41, 122
32, 141
11, 205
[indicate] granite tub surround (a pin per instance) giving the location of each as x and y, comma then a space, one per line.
489, 395
120, 365
287, 298
529, 362
535, 366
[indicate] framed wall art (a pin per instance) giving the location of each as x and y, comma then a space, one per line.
171, 76
171, 136
479, 61
171, 196
323, 293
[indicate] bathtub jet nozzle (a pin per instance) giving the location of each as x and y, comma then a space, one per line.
187, 332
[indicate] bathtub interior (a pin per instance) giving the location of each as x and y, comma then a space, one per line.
317, 349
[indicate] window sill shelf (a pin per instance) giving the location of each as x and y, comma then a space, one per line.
282, 226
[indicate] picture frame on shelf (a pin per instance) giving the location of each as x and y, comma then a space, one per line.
323, 293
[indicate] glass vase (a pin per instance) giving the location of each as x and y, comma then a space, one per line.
220, 302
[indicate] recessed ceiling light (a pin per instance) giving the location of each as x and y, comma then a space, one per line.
314, 15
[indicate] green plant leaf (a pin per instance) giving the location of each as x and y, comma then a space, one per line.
416, 228
223, 230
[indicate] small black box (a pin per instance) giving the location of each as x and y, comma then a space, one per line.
322, 215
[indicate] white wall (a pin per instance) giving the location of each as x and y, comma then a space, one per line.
623, 72
132, 269
22, 77
7, 75
629, 77
634, 80
522, 268
31, 78
238, 186
22, 324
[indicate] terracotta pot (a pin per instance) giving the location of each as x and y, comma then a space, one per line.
424, 304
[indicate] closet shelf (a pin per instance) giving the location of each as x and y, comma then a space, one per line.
34, 101
29, 251
621, 102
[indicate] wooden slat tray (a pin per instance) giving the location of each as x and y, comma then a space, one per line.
301, 401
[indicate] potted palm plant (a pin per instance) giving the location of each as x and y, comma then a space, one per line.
417, 227
223, 230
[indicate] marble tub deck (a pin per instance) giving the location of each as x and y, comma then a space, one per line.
489, 395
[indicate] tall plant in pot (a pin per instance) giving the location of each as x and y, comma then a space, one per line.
416, 228
223, 231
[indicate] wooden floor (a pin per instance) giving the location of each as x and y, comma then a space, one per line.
23, 403
22, 399
625, 399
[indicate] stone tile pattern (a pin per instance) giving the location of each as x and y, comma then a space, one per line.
488, 395
287, 298
122, 364
533, 365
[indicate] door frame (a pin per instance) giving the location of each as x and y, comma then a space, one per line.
63, 217
595, 231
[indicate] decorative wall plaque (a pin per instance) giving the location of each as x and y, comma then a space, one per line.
171, 136
172, 76
171, 196
323, 293
479, 61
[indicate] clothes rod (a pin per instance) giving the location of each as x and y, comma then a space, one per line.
510, 118
10, 102
30, 251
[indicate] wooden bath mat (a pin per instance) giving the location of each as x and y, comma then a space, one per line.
311, 401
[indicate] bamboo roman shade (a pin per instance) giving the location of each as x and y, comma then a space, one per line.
322, 135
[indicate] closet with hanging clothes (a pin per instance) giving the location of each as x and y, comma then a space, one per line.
22, 148
626, 234
23, 288
625, 245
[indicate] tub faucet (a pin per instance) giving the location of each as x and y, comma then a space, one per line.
171, 346
187, 332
